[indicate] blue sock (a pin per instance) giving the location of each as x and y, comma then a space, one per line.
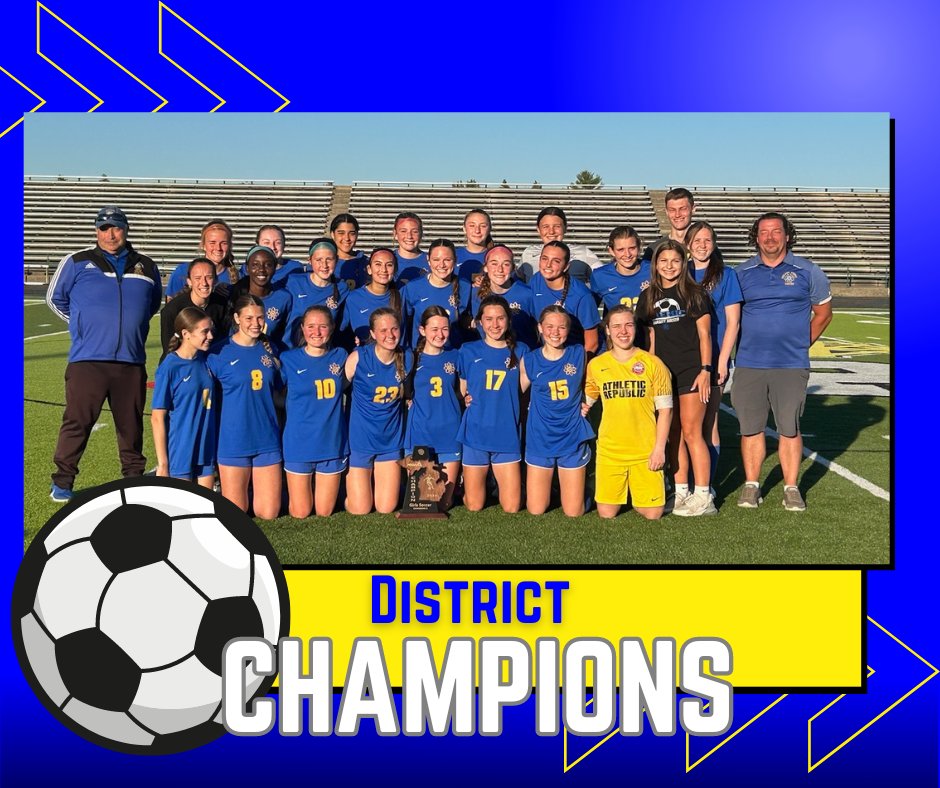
713, 452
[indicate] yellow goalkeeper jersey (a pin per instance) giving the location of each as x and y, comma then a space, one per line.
630, 393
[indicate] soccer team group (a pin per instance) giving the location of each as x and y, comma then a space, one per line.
329, 371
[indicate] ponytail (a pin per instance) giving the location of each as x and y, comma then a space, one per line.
564, 290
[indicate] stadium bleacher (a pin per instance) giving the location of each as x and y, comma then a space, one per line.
846, 231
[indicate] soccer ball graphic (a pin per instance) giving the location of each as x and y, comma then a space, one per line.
125, 601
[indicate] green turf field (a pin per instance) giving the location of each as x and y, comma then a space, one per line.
845, 523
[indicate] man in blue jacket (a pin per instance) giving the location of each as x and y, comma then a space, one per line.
107, 294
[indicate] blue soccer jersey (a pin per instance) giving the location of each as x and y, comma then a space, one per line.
469, 263
410, 268
555, 426
284, 269
184, 388
579, 303
358, 308
725, 291
420, 294
376, 411
614, 288
519, 297
316, 425
248, 377
492, 420
177, 280
434, 415
277, 309
353, 270
306, 294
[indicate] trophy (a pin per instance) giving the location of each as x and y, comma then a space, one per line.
427, 481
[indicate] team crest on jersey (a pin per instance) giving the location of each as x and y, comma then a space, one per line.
570, 369
638, 368
138, 268
331, 303
267, 360
789, 278
334, 368
273, 313
449, 367
452, 301
508, 359
559, 303
397, 376
515, 306
644, 285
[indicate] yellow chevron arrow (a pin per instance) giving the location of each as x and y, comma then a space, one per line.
25, 87
809, 735
39, 9
206, 38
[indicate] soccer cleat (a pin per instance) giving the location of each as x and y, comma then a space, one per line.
60, 494
750, 497
695, 505
792, 500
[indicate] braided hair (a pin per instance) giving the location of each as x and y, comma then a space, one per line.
509, 336
384, 311
567, 273
229, 260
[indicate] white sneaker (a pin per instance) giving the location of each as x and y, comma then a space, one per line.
676, 501
698, 503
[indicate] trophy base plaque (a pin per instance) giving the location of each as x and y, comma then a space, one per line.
427, 481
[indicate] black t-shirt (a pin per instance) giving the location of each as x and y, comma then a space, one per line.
215, 308
673, 324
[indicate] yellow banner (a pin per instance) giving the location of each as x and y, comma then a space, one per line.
786, 628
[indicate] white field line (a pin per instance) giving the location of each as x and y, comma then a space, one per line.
50, 334
842, 471
32, 302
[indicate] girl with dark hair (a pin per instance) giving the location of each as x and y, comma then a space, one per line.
434, 405
183, 423
441, 287
260, 263
248, 372
344, 230
476, 228
498, 279
320, 286
200, 293
315, 379
407, 234
721, 283
490, 427
552, 224
556, 432
553, 284
380, 290
376, 416
215, 243
678, 314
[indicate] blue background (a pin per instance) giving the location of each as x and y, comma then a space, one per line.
859, 56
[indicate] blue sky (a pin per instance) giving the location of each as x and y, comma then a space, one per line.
653, 150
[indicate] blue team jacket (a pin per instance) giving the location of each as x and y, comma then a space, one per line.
108, 302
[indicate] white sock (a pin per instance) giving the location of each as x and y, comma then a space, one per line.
752, 484
790, 487
682, 489
704, 490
